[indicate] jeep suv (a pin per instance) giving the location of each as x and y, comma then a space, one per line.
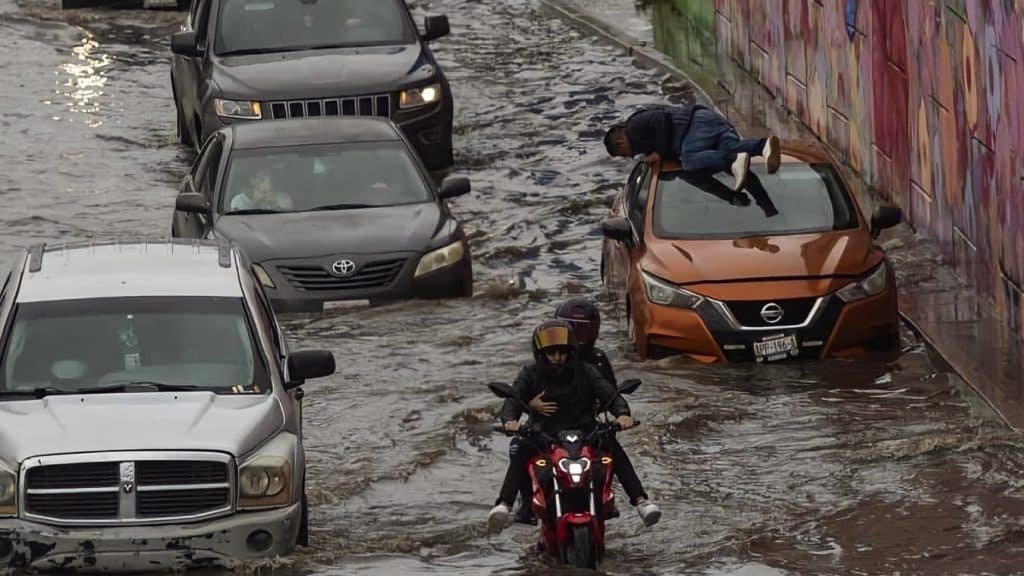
150, 411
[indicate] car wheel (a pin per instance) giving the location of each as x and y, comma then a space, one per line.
303, 537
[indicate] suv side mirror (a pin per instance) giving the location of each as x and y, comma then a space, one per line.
185, 44
885, 216
618, 229
306, 364
435, 27
192, 202
452, 187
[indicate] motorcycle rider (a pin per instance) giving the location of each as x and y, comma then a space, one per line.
565, 390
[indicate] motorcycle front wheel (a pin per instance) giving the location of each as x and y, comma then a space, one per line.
582, 554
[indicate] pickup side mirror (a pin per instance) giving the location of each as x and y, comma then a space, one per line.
435, 27
452, 187
192, 202
885, 216
185, 44
306, 364
618, 229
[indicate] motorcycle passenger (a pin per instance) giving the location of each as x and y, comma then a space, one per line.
565, 390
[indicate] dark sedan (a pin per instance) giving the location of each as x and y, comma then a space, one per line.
265, 60
336, 210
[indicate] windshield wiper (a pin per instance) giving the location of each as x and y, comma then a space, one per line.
34, 392
137, 386
253, 211
343, 207
249, 51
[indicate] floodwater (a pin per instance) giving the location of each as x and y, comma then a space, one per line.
831, 467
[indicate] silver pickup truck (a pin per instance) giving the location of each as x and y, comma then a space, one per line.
150, 412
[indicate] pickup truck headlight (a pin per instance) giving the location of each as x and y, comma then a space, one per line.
415, 97
265, 479
8, 493
661, 292
440, 258
237, 109
871, 285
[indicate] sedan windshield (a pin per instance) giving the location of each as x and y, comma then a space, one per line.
798, 199
331, 177
171, 342
264, 26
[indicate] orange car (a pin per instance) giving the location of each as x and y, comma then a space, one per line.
786, 268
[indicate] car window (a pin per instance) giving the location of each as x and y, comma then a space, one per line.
205, 177
633, 181
798, 199
302, 178
638, 207
199, 11
187, 341
248, 26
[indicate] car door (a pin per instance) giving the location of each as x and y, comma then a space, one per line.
202, 179
636, 208
616, 257
188, 71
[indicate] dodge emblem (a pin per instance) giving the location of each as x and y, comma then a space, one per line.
343, 268
128, 477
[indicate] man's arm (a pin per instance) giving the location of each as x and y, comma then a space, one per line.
604, 366
649, 132
604, 390
510, 409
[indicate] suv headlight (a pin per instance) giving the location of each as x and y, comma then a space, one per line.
8, 493
440, 258
414, 97
661, 292
265, 479
871, 285
237, 109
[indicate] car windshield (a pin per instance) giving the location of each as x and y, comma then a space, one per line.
201, 342
265, 26
798, 199
332, 177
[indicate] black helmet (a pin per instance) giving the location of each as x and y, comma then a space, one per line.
553, 334
584, 318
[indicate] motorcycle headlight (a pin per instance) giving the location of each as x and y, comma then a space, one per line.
415, 97
871, 285
264, 480
440, 258
237, 109
661, 292
8, 493
574, 468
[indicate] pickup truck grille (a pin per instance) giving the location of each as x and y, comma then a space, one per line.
126, 488
370, 105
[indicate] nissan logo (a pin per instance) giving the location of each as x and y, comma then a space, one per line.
771, 313
343, 268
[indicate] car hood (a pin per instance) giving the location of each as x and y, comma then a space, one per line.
63, 424
320, 73
764, 257
263, 237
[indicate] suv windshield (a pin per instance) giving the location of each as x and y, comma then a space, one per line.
263, 26
327, 177
201, 342
798, 199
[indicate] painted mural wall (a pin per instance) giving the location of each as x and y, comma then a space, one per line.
925, 98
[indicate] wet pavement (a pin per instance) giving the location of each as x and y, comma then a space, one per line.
830, 467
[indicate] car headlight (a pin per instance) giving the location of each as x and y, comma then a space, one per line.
237, 109
8, 493
262, 276
437, 259
414, 97
871, 285
265, 480
661, 292
574, 468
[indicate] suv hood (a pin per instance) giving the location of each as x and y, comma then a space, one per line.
64, 424
320, 73
849, 253
264, 237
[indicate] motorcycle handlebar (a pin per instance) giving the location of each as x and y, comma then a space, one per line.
501, 428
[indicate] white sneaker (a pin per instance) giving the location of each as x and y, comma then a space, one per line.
739, 170
498, 518
772, 153
649, 512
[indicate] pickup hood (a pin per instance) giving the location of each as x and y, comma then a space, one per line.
321, 73
765, 257
137, 421
310, 234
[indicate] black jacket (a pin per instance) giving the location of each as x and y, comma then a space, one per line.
659, 129
599, 360
574, 394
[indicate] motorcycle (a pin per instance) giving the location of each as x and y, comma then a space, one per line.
572, 482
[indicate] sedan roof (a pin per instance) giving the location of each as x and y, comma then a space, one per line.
306, 131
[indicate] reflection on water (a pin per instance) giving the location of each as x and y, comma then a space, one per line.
83, 79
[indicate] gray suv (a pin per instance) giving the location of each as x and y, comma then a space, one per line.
150, 411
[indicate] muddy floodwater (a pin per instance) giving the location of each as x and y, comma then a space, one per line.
835, 467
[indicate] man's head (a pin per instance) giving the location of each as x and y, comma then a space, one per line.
553, 344
584, 317
616, 142
260, 186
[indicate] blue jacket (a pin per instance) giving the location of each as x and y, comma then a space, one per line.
659, 129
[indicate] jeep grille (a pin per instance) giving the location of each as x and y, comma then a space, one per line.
370, 105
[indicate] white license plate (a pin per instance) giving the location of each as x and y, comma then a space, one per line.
346, 305
775, 348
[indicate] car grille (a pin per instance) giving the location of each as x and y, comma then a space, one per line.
314, 278
748, 312
127, 488
372, 105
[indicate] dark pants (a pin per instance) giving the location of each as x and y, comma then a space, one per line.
711, 143
517, 479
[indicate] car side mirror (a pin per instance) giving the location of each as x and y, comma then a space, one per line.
452, 187
185, 44
435, 27
192, 202
306, 364
618, 229
885, 216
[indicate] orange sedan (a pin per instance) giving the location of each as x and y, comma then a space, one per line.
785, 268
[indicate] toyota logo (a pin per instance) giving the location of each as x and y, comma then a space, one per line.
343, 268
771, 313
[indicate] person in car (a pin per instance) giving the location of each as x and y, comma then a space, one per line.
565, 390
700, 138
261, 195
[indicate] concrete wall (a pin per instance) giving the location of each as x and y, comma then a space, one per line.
925, 98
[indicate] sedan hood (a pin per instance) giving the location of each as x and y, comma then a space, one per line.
63, 424
263, 237
765, 257
320, 73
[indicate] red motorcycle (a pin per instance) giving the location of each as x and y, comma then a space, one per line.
572, 483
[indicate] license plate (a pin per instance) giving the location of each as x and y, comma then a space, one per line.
345, 305
775, 348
